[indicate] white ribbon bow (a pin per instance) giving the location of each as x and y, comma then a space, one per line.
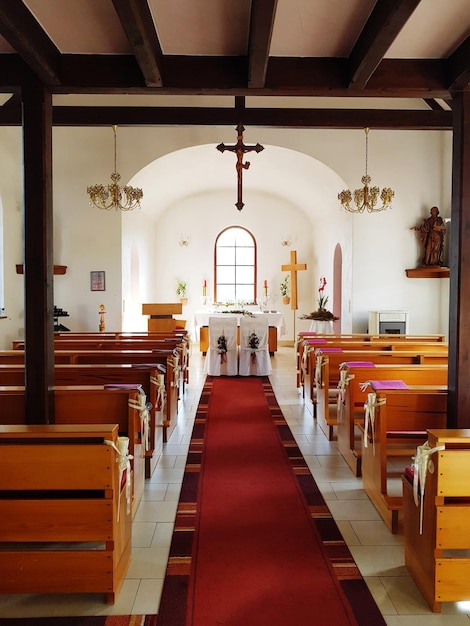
144, 408
343, 383
123, 458
369, 415
159, 381
421, 464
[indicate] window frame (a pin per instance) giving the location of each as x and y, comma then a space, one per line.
255, 268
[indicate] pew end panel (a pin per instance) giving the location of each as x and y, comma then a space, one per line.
399, 424
66, 526
437, 556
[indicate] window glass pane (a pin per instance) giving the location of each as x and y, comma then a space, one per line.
227, 238
246, 256
225, 256
226, 274
226, 293
245, 275
245, 293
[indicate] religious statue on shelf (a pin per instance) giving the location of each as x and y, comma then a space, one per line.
431, 234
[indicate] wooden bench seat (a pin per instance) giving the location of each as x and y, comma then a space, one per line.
310, 341
398, 425
350, 413
158, 382
328, 406
337, 356
65, 524
94, 405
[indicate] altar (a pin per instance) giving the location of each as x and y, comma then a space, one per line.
276, 323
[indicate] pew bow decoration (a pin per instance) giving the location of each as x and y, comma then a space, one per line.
422, 462
344, 378
175, 364
123, 458
369, 415
144, 409
320, 361
161, 392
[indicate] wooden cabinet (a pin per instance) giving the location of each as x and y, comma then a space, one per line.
438, 557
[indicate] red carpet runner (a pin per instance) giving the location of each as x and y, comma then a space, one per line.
254, 542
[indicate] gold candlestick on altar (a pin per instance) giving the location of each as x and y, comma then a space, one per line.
101, 313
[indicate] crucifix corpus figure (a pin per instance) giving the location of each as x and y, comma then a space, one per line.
293, 268
240, 149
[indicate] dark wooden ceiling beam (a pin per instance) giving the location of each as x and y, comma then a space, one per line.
384, 24
25, 35
120, 74
261, 29
265, 117
459, 67
137, 21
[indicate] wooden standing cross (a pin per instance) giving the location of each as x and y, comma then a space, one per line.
240, 149
293, 268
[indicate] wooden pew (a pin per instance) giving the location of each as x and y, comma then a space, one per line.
160, 386
337, 356
161, 342
350, 406
398, 424
94, 405
65, 524
310, 341
437, 541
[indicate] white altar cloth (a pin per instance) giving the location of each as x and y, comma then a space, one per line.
201, 318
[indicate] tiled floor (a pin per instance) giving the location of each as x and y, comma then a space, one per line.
377, 552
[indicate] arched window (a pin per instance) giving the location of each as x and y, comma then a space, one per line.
235, 266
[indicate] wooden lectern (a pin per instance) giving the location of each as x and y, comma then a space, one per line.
161, 315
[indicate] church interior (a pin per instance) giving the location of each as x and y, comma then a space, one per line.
255, 116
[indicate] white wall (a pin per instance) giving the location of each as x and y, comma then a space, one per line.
140, 253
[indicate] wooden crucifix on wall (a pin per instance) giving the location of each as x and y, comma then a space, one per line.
240, 149
293, 268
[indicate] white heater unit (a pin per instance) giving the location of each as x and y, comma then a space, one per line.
388, 323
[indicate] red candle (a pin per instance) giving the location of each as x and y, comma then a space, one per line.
204, 284
265, 284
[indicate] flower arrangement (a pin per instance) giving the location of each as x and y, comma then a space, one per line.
222, 348
321, 314
253, 344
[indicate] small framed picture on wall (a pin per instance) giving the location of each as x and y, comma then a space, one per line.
97, 281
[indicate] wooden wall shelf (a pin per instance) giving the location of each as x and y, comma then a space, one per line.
58, 269
428, 272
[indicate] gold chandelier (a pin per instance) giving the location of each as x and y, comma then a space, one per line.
366, 197
114, 196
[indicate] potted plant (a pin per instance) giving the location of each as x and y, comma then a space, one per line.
321, 314
285, 290
181, 291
